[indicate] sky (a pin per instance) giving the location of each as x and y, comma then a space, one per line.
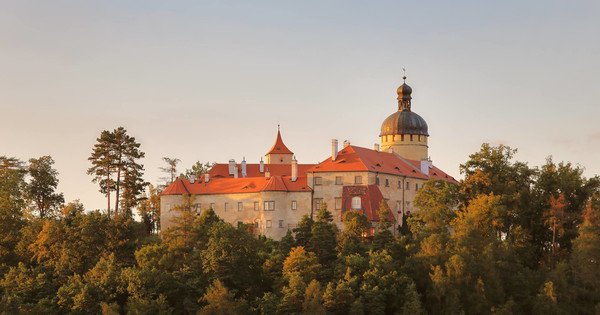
210, 80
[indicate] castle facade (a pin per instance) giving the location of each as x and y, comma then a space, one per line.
272, 196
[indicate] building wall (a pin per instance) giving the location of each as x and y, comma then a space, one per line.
278, 159
247, 215
399, 199
412, 149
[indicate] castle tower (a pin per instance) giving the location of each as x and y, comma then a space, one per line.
279, 153
405, 132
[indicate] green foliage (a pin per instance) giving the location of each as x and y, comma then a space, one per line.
509, 239
220, 301
40, 191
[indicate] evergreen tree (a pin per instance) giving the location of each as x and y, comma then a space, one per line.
303, 231
323, 242
40, 191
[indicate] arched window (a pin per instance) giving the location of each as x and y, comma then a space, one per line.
356, 203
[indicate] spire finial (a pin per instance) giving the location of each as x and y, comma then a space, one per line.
404, 74
278, 127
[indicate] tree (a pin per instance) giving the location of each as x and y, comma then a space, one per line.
12, 173
231, 256
383, 238
220, 301
313, 299
303, 231
102, 159
412, 304
323, 242
149, 211
40, 191
303, 263
356, 225
585, 259
26, 291
128, 170
197, 169
170, 169
117, 154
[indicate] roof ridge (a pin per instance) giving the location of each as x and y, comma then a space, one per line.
411, 165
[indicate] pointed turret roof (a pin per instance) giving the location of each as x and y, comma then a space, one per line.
279, 147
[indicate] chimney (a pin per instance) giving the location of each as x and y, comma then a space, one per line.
206, 177
346, 143
235, 171
334, 149
425, 165
376, 147
261, 168
231, 166
192, 178
294, 169
244, 169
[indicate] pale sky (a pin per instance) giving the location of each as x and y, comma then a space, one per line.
210, 80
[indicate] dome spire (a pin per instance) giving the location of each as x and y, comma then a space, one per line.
404, 91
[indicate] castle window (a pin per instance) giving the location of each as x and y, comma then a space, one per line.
387, 182
269, 224
256, 224
356, 203
411, 137
357, 179
318, 203
416, 187
281, 223
269, 205
338, 180
401, 137
256, 206
407, 186
197, 207
240, 206
226, 206
398, 206
294, 205
338, 203
377, 180
399, 184
419, 138
318, 180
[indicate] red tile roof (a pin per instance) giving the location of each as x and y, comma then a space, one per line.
353, 158
370, 199
236, 185
279, 147
253, 170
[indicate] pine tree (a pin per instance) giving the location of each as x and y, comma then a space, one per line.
323, 242
102, 169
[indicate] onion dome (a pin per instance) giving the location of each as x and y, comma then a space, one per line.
404, 121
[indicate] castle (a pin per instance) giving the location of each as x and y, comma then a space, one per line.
273, 195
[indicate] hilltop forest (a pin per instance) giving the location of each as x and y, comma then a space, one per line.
508, 239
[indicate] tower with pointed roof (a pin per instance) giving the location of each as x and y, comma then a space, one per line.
279, 153
405, 132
